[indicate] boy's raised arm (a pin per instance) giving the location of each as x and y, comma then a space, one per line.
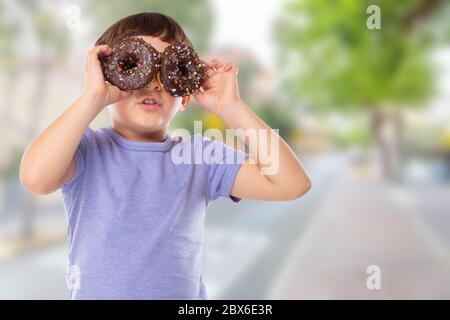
282, 177
48, 162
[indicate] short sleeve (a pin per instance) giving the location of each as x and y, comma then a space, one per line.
223, 163
80, 156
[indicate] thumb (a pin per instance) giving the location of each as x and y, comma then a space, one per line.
124, 94
198, 95
120, 94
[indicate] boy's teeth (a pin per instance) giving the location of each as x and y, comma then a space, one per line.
150, 101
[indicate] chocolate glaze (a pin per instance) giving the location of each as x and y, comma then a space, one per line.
132, 65
181, 72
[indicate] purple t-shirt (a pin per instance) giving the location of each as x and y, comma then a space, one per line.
136, 214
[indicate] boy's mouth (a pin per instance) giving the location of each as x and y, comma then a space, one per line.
150, 103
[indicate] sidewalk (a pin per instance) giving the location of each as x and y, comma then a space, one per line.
362, 223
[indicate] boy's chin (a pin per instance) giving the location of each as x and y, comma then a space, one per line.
148, 124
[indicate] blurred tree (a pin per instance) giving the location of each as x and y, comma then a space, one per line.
357, 135
9, 62
52, 43
331, 59
277, 118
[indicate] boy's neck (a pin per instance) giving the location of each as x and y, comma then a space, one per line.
155, 136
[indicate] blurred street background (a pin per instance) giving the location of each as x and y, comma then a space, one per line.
361, 91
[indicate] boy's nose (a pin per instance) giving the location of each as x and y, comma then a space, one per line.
155, 84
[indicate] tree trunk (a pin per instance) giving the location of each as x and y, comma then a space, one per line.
378, 122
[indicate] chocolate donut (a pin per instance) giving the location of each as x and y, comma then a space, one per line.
181, 71
132, 65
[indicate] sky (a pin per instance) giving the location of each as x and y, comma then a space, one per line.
246, 24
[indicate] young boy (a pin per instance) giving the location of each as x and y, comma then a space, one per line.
135, 216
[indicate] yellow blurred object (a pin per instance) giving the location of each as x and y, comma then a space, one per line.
211, 121
446, 139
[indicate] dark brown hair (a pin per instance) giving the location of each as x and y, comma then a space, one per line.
144, 24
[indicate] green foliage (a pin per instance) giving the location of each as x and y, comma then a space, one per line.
9, 30
356, 135
186, 119
11, 170
278, 118
275, 117
332, 60
50, 32
249, 70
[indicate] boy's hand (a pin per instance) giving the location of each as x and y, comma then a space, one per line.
220, 90
96, 87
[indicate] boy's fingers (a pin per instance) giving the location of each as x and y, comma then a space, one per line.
207, 85
210, 72
104, 48
198, 95
213, 62
125, 93
120, 93
216, 64
219, 67
94, 53
228, 66
215, 67
93, 59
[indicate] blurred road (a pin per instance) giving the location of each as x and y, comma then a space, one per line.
363, 222
40, 275
432, 203
248, 243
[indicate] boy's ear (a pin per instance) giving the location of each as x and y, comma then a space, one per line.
184, 103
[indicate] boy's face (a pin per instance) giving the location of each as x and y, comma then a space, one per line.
130, 114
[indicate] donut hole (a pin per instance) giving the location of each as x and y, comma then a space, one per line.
128, 63
184, 71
